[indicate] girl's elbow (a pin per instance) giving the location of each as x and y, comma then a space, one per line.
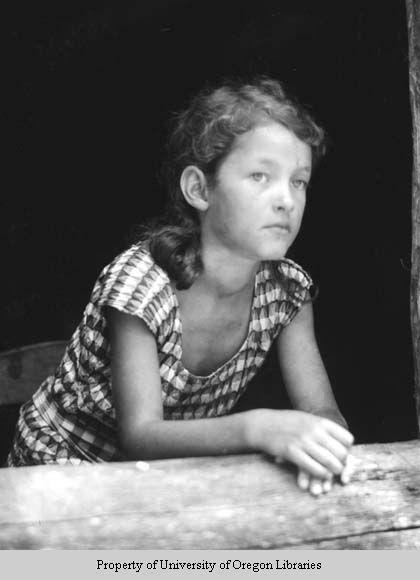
136, 443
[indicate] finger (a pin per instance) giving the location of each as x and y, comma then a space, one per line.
303, 480
324, 456
327, 485
307, 463
337, 431
348, 470
316, 486
334, 446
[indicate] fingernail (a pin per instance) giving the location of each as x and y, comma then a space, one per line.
327, 486
316, 488
303, 481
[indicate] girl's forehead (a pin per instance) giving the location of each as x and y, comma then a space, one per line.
271, 139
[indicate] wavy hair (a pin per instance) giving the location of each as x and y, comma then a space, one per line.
203, 135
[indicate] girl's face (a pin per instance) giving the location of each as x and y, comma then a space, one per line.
256, 206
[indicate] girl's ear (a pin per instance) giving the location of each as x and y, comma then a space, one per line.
194, 187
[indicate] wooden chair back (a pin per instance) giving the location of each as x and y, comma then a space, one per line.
23, 369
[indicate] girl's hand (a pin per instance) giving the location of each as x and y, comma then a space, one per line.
318, 486
314, 444
314, 485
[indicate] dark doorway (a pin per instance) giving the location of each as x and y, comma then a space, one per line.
91, 87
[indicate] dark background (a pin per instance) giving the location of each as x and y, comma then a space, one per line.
91, 86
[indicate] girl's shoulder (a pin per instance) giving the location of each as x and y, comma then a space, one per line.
286, 280
135, 284
135, 264
293, 271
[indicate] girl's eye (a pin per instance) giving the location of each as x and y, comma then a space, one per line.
259, 177
300, 184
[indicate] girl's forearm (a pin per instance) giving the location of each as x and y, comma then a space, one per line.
159, 439
333, 414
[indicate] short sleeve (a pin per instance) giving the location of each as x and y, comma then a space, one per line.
297, 282
134, 284
294, 291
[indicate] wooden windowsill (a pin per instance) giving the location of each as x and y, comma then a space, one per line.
231, 502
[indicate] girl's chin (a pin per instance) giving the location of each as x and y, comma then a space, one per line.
275, 257
274, 254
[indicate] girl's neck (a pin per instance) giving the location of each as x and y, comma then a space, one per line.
225, 274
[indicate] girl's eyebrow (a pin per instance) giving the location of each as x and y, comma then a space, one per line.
271, 163
265, 161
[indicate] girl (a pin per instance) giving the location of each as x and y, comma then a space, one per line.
179, 323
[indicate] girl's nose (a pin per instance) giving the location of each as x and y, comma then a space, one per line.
283, 198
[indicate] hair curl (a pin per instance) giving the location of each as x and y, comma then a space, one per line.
203, 135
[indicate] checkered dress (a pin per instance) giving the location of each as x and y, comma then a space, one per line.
71, 417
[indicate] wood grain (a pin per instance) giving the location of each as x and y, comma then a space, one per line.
235, 502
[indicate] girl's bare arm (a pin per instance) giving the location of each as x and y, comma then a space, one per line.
136, 386
309, 388
305, 377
